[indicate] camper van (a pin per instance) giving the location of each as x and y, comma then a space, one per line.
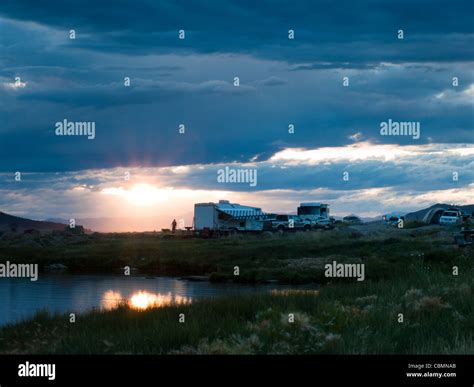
316, 213
227, 217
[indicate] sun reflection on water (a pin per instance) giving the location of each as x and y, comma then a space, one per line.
142, 300
111, 300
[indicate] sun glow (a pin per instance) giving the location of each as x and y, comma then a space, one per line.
140, 194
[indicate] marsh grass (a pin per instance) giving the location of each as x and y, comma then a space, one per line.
388, 251
341, 318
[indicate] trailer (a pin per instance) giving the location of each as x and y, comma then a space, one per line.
225, 217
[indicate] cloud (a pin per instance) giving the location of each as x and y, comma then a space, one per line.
14, 85
190, 82
335, 66
463, 97
272, 81
354, 152
413, 177
321, 29
356, 136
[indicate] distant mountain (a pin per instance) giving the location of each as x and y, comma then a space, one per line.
379, 218
132, 224
432, 214
118, 224
7, 222
57, 220
121, 224
371, 219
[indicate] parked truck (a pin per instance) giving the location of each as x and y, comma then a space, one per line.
450, 217
287, 223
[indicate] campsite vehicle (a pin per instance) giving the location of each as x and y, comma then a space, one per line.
289, 222
450, 217
393, 219
322, 221
352, 219
313, 211
225, 217
317, 214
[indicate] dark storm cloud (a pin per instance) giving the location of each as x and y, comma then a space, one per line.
328, 30
191, 81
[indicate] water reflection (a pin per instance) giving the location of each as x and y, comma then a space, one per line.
111, 300
67, 293
142, 300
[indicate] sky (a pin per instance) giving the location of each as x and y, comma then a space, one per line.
346, 71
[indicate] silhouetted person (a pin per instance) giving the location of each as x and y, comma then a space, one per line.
173, 226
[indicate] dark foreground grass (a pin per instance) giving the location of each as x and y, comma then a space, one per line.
343, 317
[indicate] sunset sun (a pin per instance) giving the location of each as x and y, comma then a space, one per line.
139, 194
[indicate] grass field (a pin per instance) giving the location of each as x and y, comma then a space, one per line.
289, 258
407, 271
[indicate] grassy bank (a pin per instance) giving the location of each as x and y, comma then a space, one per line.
344, 317
289, 258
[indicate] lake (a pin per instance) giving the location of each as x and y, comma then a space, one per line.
73, 293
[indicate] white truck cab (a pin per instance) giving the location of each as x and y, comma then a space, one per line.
449, 217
